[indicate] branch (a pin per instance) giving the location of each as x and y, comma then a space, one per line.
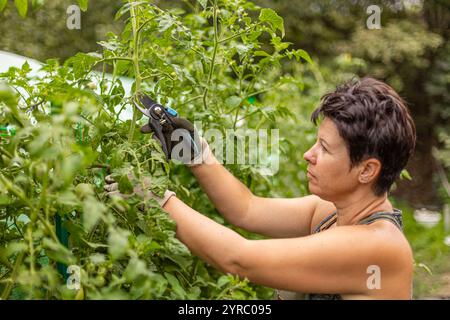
213, 59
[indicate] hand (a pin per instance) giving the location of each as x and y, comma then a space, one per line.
141, 190
191, 149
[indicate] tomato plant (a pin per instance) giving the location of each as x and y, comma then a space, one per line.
215, 62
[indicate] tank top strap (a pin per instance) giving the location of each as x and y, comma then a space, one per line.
326, 223
395, 217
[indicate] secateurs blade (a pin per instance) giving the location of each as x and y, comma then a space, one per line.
163, 121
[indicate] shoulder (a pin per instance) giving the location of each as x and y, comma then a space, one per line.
349, 257
393, 259
368, 251
322, 210
379, 241
391, 242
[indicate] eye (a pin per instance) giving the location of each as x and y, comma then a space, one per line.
323, 147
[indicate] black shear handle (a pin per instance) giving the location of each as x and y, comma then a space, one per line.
158, 133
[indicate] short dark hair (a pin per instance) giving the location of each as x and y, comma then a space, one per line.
374, 121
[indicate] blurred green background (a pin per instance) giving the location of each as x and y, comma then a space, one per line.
411, 52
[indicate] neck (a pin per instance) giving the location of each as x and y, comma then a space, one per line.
353, 209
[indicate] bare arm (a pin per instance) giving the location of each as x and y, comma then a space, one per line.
274, 217
335, 261
340, 260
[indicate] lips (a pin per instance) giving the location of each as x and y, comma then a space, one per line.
309, 174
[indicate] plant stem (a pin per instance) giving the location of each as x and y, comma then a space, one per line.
145, 23
107, 59
99, 165
239, 33
190, 100
9, 285
6, 153
135, 59
213, 59
18, 193
32, 251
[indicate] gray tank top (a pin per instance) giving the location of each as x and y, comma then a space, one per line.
394, 217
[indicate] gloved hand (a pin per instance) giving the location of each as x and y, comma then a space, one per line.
190, 151
142, 191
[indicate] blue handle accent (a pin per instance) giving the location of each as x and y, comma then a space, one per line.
172, 112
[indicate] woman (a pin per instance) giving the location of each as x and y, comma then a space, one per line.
344, 241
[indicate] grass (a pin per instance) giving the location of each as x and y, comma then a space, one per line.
429, 250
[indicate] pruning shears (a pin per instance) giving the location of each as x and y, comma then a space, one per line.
163, 121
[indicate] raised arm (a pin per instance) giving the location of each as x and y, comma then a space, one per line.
279, 218
336, 261
274, 217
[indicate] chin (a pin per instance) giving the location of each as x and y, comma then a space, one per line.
313, 189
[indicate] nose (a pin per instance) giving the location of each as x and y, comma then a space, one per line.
309, 155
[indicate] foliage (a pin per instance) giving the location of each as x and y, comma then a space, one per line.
431, 255
44, 34
400, 43
205, 62
23, 5
408, 52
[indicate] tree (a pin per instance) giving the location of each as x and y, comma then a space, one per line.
43, 33
407, 52
207, 62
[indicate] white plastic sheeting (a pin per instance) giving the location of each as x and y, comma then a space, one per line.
8, 60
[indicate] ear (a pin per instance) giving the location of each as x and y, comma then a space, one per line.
370, 170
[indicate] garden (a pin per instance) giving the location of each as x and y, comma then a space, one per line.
232, 67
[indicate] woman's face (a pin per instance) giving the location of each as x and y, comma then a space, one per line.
329, 173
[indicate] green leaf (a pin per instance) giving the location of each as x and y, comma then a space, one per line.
22, 7
424, 266
273, 19
233, 101
26, 67
260, 53
84, 190
203, 3
83, 4
70, 166
67, 198
303, 54
12, 248
97, 258
165, 22
95, 245
404, 175
118, 242
194, 293
4, 200
92, 212
57, 252
8, 95
175, 284
278, 44
125, 185
3, 4
159, 185
81, 63
37, 3
136, 268
223, 280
